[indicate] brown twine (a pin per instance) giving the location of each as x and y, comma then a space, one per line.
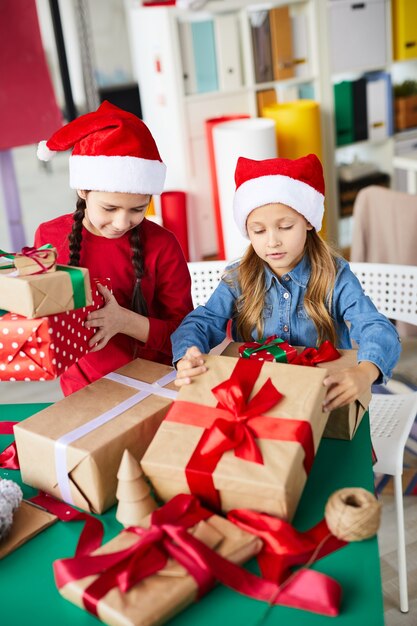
353, 514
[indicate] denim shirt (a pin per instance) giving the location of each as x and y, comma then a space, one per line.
284, 315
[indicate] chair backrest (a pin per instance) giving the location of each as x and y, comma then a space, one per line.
205, 276
392, 288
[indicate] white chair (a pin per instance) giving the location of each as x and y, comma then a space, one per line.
393, 289
205, 276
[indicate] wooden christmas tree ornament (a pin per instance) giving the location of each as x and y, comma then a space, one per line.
133, 492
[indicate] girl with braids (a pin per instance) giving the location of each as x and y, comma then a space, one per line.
289, 283
115, 167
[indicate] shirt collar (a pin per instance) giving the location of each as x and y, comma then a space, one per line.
300, 274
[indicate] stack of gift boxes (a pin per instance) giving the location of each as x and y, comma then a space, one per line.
42, 321
242, 435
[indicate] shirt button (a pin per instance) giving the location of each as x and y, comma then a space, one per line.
287, 278
285, 328
286, 295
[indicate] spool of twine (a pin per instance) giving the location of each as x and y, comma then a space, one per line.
353, 514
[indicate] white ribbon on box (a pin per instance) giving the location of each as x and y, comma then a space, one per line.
61, 444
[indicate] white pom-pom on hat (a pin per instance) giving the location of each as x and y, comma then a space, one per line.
112, 150
43, 152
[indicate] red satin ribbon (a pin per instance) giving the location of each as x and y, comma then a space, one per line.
313, 356
234, 425
38, 256
92, 534
168, 537
8, 458
283, 545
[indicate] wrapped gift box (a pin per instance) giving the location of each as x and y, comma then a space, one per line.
73, 448
43, 348
158, 597
286, 436
343, 422
38, 295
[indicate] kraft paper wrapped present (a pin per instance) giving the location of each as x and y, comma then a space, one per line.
73, 448
43, 348
47, 293
343, 422
254, 455
30, 260
161, 595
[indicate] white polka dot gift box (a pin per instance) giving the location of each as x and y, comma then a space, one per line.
43, 348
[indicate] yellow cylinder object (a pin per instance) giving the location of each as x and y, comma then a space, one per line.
297, 126
298, 131
151, 208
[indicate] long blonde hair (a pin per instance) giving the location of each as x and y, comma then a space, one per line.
317, 300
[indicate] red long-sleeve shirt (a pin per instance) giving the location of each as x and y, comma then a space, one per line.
166, 286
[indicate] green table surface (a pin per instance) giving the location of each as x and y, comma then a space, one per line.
28, 595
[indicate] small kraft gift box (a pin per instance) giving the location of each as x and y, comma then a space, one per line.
343, 422
44, 292
242, 435
73, 448
163, 587
43, 348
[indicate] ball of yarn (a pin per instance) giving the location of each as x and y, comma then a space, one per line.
353, 514
10, 498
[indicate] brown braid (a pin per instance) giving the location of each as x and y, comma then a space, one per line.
138, 301
75, 236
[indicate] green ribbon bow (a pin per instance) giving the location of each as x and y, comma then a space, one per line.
271, 345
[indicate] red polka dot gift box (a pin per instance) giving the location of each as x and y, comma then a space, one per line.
43, 348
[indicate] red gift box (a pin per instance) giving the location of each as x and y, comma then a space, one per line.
271, 349
43, 348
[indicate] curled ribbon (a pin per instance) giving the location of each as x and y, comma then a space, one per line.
167, 537
8, 458
40, 256
283, 545
235, 424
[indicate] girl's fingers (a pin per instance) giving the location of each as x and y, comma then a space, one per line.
94, 322
191, 371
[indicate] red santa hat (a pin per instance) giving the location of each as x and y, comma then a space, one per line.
298, 183
113, 150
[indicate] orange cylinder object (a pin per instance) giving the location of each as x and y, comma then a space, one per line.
210, 124
174, 217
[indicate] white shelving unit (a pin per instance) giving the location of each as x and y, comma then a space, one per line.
335, 32
177, 118
364, 45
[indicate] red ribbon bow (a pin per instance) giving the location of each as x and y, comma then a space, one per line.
235, 424
311, 357
168, 537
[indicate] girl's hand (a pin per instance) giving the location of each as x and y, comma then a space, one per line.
348, 384
106, 320
191, 364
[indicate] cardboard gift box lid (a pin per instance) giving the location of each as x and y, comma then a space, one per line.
343, 422
160, 596
73, 448
42, 294
273, 487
